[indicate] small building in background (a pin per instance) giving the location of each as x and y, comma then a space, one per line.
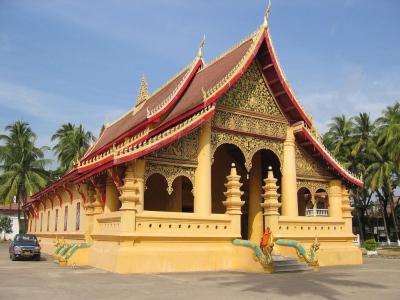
10, 210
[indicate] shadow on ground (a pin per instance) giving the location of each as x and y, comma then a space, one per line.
314, 283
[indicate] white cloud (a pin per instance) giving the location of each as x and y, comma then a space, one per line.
52, 109
355, 93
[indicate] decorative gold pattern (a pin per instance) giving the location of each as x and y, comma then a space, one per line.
170, 173
243, 123
251, 93
143, 93
249, 145
306, 166
184, 148
312, 186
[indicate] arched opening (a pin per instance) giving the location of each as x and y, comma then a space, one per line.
321, 202
224, 156
261, 161
304, 201
156, 195
321, 199
112, 197
181, 199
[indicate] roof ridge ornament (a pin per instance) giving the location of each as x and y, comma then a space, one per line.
266, 15
143, 93
200, 51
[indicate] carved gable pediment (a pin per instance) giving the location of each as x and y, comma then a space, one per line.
251, 93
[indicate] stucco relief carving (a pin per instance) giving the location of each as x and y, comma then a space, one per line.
184, 148
251, 93
249, 145
242, 123
306, 166
170, 173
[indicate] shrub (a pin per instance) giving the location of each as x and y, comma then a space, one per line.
370, 245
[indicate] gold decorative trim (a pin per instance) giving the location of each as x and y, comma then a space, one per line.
249, 145
169, 172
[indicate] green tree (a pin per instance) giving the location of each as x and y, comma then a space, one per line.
380, 177
21, 165
72, 143
5, 225
337, 139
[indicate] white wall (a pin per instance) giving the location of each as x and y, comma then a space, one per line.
15, 227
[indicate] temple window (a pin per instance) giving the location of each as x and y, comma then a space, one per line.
65, 218
321, 202
78, 216
305, 205
41, 222
56, 220
48, 221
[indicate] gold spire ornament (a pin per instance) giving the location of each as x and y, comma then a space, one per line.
266, 15
143, 93
200, 51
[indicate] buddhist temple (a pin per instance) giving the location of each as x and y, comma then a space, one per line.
220, 154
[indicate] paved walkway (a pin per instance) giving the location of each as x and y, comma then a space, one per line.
376, 279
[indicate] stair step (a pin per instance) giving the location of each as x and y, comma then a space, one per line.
288, 264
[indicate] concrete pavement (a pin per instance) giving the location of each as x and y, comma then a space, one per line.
376, 279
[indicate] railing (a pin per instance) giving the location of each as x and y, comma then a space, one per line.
316, 212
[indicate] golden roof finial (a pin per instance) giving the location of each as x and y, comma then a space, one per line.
266, 15
143, 93
200, 51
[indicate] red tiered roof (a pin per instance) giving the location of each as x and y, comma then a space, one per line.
189, 99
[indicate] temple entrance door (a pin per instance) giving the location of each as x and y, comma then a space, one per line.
224, 156
261, 160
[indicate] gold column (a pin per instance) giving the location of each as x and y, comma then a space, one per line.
89, 213
289, 180
129, 199
255, 220
202, 198
233, 203
335, 198
271, 204
346, 211
139, 166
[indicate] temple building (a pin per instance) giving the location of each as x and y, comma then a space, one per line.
222, 151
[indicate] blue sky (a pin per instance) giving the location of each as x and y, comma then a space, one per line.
81, 61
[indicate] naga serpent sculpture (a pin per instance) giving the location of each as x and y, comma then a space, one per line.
309, 257
262, 252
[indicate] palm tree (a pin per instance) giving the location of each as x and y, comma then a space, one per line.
72, 143
388, 139
22, 165
389, 127
362, 134
380, 177
337, 139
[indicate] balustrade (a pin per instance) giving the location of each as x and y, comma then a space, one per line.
316, 212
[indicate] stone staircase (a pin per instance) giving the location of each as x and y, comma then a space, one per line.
284, 264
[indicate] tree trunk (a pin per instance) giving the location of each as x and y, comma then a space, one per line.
361, 226
385, 225
391, 202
